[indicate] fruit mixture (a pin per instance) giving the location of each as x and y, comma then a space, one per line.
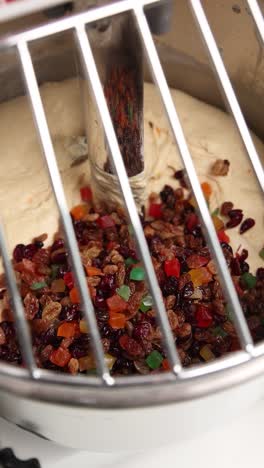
199, 317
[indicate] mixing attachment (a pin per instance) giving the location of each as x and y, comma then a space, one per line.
179, 383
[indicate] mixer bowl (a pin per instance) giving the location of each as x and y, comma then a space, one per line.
149, 415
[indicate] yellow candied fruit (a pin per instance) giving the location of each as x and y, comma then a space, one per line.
206, 353
109, 360
84, 326
88, 362
200, 276
218, 223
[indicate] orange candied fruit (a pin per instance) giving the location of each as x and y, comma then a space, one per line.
79, 212
207, 189
93, 271
60, 357
116, 304
74, 296
200, 276
166, 365
68, 329
116, 320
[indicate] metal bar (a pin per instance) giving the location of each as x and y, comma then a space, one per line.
70, 22
257, 16
48, 151
92, 76
159, 78
226, 87
18, 309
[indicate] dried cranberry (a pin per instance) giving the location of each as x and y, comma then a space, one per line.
80, 346
123, 365
8, 329
57, 244
100, 302
39, 244
236, 217
235, 267
102, 315
168, 197
243, 255
179, 174
18, 253
260, 273
246, 225
70, 313
170, 286
142, 330
131, 346
30, 251
62, 270
108, 285
10, 354
226, 208
226, 246
188, 290
59, 256
50, 337
244, 267
105, 331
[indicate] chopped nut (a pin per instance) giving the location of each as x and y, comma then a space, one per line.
149, 231
110, 269
117, 258
220, 167
73, 366
93, 281
212, 267
170, 301
2, 336
91, 217
173, 319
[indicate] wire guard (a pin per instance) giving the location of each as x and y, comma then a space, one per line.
77, 24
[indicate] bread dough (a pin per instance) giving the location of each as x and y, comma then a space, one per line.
26, 200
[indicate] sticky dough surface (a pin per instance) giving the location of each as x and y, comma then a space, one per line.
26, 201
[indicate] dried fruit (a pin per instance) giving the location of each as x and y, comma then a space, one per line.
86, 194
155, 210
172, 267
68, 329
203, 316
137, 274
154, 360
117, 320
200, 276
246, 225
105, 222
60, 357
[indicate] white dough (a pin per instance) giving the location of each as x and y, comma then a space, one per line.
26, 201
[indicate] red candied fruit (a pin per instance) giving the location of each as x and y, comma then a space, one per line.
192, 221
223, 237
86, 194
68, 280
172, 267
105, 222
203, 316
155, 210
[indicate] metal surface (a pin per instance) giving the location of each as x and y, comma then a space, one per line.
180, 384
